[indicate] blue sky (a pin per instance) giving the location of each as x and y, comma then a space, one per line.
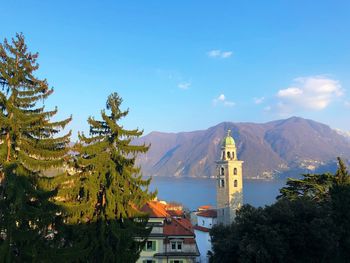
188, 65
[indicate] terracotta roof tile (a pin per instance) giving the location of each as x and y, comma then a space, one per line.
175, 212
155, 209
208, 213
201, 228
178, 227
204, 207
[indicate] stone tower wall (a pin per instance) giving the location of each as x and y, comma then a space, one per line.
230, 192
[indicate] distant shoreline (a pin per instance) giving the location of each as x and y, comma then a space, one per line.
211, 178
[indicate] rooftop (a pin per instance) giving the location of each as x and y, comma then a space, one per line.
201, 228
208, 213
204, 207
228, 140
178, 227
155, 209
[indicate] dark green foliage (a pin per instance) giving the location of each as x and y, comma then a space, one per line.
309, 223
103, 195
101, 241
28, 146
340, 205
90, 215
288, 231
315, 186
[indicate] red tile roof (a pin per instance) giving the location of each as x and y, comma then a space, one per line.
178, 227
204, 207
201, 228
177, 213
155, 209
208, 213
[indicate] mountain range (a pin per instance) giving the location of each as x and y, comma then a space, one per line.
274, 149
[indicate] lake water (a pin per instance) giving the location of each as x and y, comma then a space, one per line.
194, 192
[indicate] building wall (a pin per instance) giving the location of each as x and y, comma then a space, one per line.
207, 222
148, 254
204, 245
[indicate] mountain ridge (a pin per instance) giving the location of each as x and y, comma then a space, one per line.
271, 149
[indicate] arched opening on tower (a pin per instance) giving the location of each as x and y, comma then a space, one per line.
228, 155
221, 183
235, 171
222, 171
235, 183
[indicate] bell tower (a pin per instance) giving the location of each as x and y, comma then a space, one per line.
229, 187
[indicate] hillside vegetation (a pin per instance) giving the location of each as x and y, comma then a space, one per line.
277, 148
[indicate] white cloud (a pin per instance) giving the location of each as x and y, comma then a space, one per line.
221, 97
226, 54
259, 100
217, 53
214, 53
289, 92
223, 101
312, 93
184, 85
268, 108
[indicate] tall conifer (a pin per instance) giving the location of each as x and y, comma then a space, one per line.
104, 195
28, 145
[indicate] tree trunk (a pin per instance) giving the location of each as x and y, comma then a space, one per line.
8, 139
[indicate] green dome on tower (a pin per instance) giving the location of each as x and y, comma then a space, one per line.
228, 140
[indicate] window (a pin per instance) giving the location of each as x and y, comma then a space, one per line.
235, 183
235, 171
176, 261
176, 245
148, 261
233, 155
221, 182
222, 171
150, 246
228, 155
223, 155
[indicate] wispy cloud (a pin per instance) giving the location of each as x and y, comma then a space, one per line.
268, 108
217, 53
184, 85
259, 100
223, 101
347, 104
308, 93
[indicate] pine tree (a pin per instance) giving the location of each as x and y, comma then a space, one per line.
29, 144
104, 195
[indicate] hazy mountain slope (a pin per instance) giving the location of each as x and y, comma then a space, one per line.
266, 149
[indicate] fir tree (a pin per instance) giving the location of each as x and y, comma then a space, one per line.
104, 195
29, 144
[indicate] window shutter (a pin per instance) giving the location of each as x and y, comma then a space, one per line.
154, 245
